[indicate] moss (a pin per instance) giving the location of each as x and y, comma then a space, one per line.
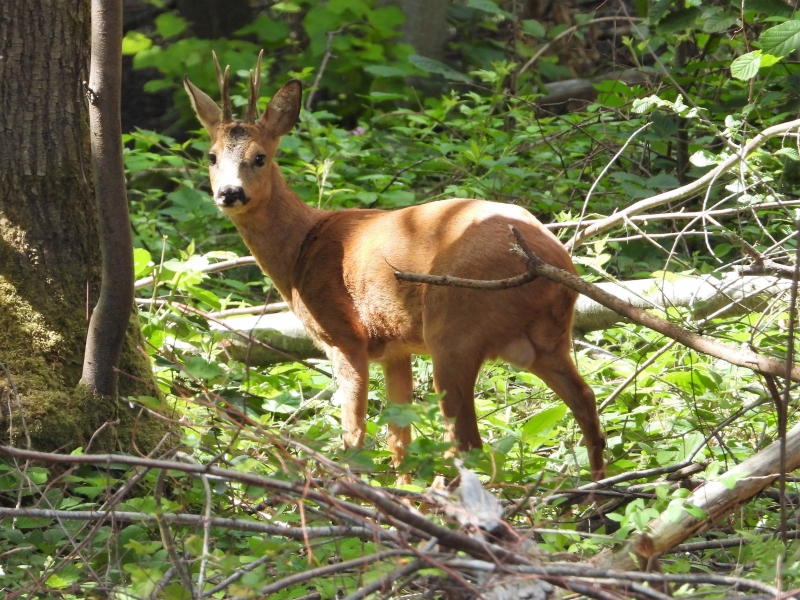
136, 379
43, 356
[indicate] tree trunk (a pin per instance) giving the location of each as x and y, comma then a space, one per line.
49, 253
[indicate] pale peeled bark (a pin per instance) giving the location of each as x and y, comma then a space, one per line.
716, 501
704, 296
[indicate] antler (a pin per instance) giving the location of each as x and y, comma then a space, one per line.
222, 79
255, 84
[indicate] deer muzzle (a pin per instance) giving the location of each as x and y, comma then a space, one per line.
231, 195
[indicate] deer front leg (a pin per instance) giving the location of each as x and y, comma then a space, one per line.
351, 374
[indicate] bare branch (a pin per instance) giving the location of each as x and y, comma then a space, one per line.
212, 268
686, 190
536, 267
682, 216
294, 533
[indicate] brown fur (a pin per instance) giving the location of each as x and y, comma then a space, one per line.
336, 271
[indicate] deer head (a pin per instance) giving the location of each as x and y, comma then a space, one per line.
241, 156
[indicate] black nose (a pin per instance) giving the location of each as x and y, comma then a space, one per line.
231, 194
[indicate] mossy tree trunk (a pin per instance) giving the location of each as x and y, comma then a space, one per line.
49, 251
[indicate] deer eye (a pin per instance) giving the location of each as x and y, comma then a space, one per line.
212, 159
261, 160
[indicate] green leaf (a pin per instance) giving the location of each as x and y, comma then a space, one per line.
703, 158
169, 25
717, 20
772, 8
679, 20
434, 66
397, 198
746, 66
141, 262
642, 105
384, 71
386, 19
266, 29
674, 511
790, 153
287, 7
543, 421
200, 368
134, 42
659, 8
534, 28
283, 403
695, 511
205, 296
400, 414
504, 445
488, 6
729, 479
781, 39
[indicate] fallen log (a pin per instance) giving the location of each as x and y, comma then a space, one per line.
704, 296
715, 499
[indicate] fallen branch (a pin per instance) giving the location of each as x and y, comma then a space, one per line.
682, 216
283, 334
213, 268
578, 570
538, 268
294, 533
714, 499
503, 566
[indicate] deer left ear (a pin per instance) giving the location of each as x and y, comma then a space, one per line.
283, 110
207, 111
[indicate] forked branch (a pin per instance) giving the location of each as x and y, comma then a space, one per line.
685, 191
537, 268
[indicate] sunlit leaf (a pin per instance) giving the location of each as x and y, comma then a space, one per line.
781, 39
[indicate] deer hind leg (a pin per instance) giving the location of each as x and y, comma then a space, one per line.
351, 373
399, 390
558, 371
455, 376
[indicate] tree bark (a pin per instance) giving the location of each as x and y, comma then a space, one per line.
49, 257
108, 322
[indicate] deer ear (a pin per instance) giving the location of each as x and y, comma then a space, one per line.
209, 114
283, 110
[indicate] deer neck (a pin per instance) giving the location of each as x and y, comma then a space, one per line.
274, 231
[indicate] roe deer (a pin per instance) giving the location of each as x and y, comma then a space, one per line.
333, 269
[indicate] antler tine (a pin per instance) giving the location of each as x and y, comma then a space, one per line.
222, 79
255, 85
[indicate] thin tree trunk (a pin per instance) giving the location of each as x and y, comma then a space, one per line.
110, 318
49, 257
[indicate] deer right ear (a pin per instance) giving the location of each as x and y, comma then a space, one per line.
207, 111
283, 110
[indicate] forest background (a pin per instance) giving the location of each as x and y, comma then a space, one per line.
578, 111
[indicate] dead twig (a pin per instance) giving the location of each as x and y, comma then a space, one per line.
326, 57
